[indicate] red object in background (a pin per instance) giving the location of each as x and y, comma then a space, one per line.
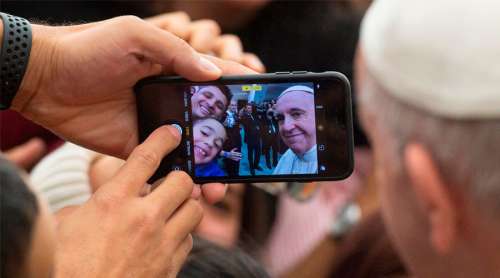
15, 130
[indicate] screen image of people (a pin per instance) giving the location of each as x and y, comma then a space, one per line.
254, 129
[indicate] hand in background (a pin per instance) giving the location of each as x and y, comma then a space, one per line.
233, 155
26, 155
205, 37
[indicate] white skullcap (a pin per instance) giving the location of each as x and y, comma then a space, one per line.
297, 88
441, 56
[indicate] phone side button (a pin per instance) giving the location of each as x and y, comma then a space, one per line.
282, 72
299, 72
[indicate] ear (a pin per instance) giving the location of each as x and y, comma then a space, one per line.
433, 196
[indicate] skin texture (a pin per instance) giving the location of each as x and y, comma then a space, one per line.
436, 227
209, 136
40, 262
26, 155
79, 79
222, 221
208, 101
204, 35
139, 235
297, 125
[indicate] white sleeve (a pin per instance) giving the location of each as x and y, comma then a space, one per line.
62, 176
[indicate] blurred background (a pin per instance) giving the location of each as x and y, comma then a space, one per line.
316, 230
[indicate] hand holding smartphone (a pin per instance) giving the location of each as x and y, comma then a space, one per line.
254, 128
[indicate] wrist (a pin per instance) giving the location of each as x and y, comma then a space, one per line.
38, 69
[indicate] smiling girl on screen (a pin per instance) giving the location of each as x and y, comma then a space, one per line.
209, 136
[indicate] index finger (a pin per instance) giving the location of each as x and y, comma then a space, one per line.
229, 67
145, 159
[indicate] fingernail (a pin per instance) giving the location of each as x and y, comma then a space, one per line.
209, 66
175, 130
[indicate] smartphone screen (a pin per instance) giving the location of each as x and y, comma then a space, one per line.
253, 128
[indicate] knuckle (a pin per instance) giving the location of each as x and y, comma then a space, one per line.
131, 20
211, 25
182, 15
180, 49
146, 156
146, 219
106, 201
231, 38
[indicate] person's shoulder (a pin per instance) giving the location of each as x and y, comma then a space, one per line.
288, 153
217, 170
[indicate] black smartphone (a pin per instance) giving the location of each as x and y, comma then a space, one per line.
284, 126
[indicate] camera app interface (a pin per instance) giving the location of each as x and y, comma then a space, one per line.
252, 130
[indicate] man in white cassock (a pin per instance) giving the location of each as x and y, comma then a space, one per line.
297, 128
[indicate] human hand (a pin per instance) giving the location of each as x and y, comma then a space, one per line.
26, 155
121, 233
104, 167
233, 155
79, 79
205, 37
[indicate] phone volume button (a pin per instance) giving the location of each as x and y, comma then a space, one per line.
282, 72
299, 72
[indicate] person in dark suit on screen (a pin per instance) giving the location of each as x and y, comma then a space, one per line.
252, 137
232, 147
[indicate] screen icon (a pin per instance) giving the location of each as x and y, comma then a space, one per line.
321, 147
246, 88
322, 168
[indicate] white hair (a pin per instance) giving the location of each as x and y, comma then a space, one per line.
467, 152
